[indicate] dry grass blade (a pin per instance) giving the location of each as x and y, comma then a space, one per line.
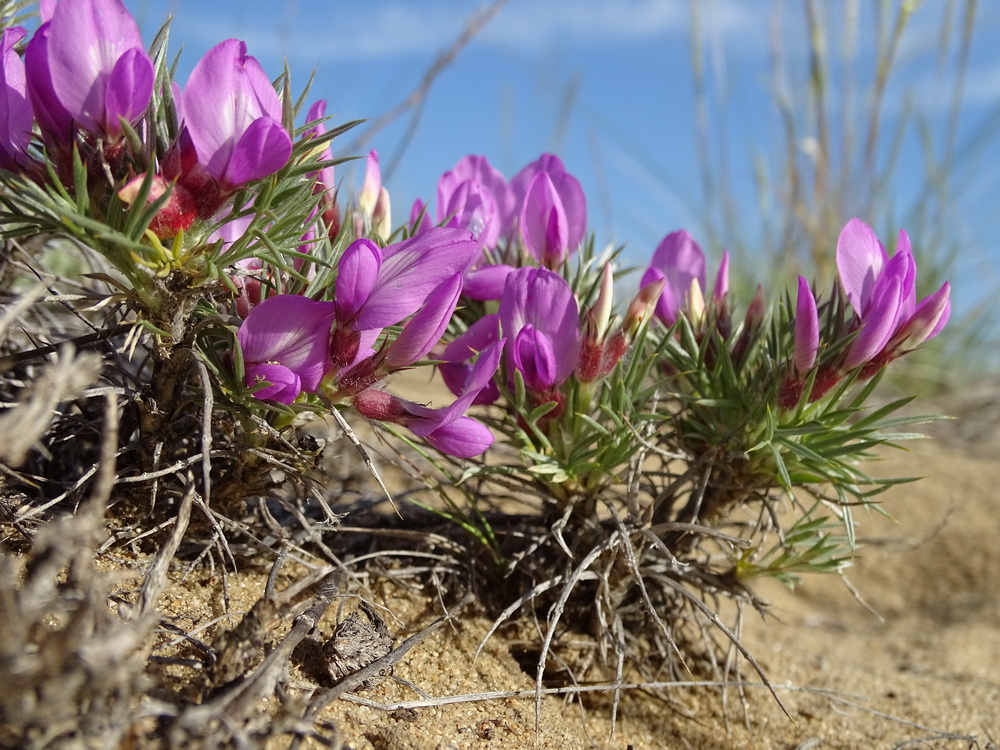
155, 580
25, 422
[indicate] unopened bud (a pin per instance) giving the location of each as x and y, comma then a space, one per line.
176, 215
372, 185
756, 310
599, 316
696, 302
752, 323
642, 307
382, 214
363, 375
379, 405
344, 346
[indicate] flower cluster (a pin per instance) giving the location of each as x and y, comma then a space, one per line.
87, 86
497, 283
887, 323
674, 444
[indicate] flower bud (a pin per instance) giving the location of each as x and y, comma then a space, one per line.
380, 406
696, 302
177, 214
344, 345
642, 307
599, 316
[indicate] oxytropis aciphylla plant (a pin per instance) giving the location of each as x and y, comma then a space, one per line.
104, 146
556, 316
188, 197
783, 404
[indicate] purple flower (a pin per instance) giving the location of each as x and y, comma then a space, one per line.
419, 335
374, 212
679, 261
475, 196
553, 217
447, 429
486, 282
421, 332
326, 183
806, 337
540, 319
232, 126
549, 164
15, 111
472, 195
383, 287
91, 59
378, 287
372, 185
882, 291
285, 343
471, 206
55, 122
458, 356
420, 220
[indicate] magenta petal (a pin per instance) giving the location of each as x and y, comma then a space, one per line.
420, 220
908, 303
456, 369
54, 120
317, 111
480, 376
860, 259
472, 207
262, 149
285, 385
476, 338
86, 40
226, 95
547, 163
356, 274
574, 204
533, 356
212, 99
15, 111
878, 324
680, 259
463, 438
942, 320
411, 269
542, 299
556, 245
45, 9
292, 331
667, 306
722, 279
425, 329
265, 101
543, 221
372, 185
929, 318
128, 89
486, 282
806, 339
456, 374
477, 170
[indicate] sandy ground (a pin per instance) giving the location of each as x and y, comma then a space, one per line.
923, 672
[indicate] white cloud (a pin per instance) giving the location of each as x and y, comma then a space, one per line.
397, 28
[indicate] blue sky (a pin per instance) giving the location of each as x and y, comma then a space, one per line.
607, 84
